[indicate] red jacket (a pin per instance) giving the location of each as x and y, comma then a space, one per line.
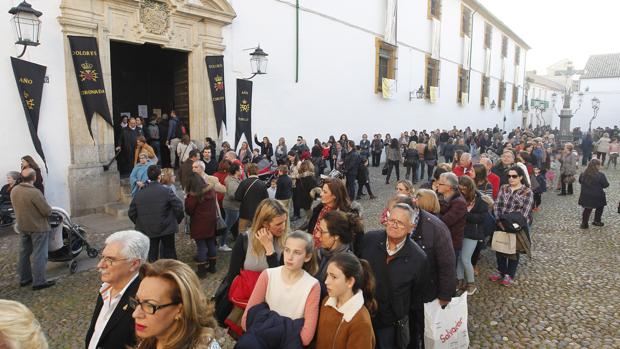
460, 171
494, 180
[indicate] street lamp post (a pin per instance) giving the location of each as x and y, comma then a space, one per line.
539, 107
258, 62
27, 25
595, 106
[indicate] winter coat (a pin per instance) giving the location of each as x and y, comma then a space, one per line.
430, 154
474, 219
448, 150
433, 236
406, 273
453, 215
305, 183
203, 215
362, 175
284, 189
377, 146
266, 329
251, 192
393, 154
138, 174
232, 183
156, 211
592, 194
411, 157
569, 164
281, 154
602, 146
352, 163
31, 209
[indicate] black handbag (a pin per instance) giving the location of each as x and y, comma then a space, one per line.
384, 170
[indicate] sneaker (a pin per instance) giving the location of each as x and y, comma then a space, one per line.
496, 276
225, 248
471, 289
507, 281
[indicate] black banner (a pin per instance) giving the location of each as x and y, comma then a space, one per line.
30, 78
243, 125
215, 71
89, 76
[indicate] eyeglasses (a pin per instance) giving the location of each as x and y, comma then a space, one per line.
396, 223
109, 261
513, 176
147, 307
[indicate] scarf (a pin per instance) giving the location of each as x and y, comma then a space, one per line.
325, 256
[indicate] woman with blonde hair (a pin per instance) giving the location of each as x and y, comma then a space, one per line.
404, 186
19, 328
170, 309
411, 161
427, 200
255, 250
430, 157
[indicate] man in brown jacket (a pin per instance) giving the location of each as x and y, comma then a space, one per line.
32, 213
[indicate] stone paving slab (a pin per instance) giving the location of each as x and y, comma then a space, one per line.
564, 297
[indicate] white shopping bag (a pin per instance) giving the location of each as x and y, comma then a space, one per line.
446, 328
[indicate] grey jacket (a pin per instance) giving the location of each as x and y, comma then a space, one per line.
229, 202
569, 164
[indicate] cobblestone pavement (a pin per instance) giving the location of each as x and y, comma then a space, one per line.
564, 297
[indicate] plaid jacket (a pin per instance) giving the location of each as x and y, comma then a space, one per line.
520, 200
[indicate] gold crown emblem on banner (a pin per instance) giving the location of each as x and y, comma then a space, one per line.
86, 66
218, 78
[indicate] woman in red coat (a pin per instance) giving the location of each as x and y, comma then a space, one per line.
201, 206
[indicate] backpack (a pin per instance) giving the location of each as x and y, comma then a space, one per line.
152, 132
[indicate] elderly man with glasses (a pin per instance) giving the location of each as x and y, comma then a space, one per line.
453, 208
399, 265
112, 325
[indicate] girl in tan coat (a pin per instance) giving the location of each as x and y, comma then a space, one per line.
344, 318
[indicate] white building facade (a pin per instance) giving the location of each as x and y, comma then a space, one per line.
540, 105
338, 67
601, 79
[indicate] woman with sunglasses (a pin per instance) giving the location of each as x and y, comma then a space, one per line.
170, 309
515, 196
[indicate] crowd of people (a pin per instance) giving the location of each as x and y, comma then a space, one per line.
328, 282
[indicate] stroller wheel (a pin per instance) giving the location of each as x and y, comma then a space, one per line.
73, 267
92, 253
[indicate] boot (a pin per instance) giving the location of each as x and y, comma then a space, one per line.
201, 270
212, 266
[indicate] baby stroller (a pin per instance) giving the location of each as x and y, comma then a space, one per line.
67, 240
266, 170
7, 215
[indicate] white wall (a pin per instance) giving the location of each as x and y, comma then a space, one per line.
15, 140
608, 92
335, 92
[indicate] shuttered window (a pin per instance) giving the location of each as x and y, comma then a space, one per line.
434, 9
462, 84
484, 93
432, 75
488, 35
502, 94
465, 21
385, 67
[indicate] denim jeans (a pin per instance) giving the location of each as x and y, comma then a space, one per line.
464, 265
206, 248
351, 186
34, 244
231, 217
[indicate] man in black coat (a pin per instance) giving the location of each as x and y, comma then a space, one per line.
433, 236
157, 212
250, 193
400, 267
127, 147
352, 163
112, 325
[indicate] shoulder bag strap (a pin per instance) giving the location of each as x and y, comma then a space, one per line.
250, 186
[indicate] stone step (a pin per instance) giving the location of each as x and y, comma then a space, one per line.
126, 199
116, 209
